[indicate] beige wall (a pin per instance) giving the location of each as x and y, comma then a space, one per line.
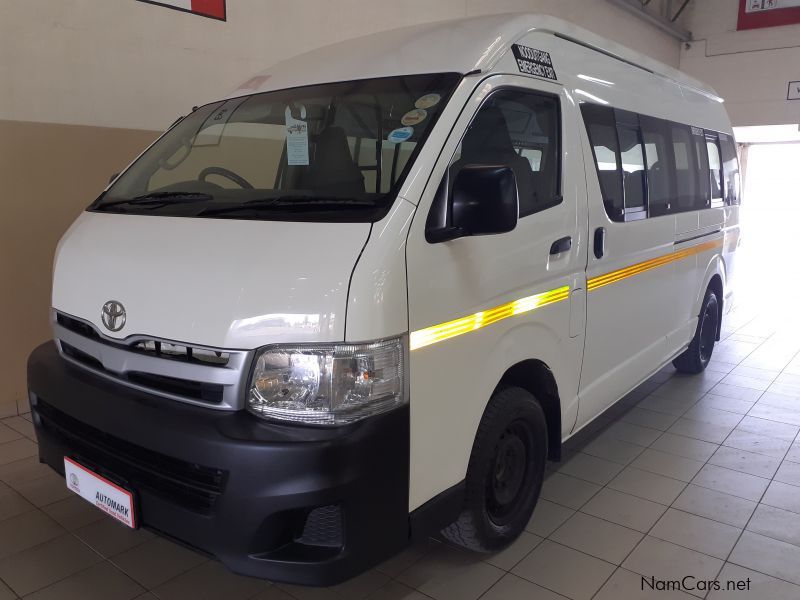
751, 69
85, 84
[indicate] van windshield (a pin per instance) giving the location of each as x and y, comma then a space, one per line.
337, 151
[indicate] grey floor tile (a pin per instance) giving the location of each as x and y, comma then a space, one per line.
567, 490
597, 537
780, 401
8, 434
156, 561
12, 503
736, 392
713, 416
633, 434
102, 580
108, 537
647, 485
752, 383
393, 590
627, 585
776, 523
685, 446
623, 509
511, 587
506, 559
669, 465
554, 566
754, 442
695, 532
73, 512
20, 471
211, 580
21, 425
746, 462
449, 574
794, 453
760, 586
788, 472
17, 449
547, 517
590, 468
668, 561
771, 413
715, 505
649, 418
25, 531
722, 403
44, 490
404, 559
783, 495
785, 388
674, 404
731, 482
767, 555
609, 448
707, 432
39, 566
762, 374
6, 593
783, 431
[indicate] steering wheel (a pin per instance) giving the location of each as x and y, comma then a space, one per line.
227, 174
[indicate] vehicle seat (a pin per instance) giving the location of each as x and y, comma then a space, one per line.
332, 171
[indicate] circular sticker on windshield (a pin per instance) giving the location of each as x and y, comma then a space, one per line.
400, 135
427, 101
414, 117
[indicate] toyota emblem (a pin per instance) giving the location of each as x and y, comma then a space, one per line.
113, 315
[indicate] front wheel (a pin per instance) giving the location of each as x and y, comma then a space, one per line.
505, 473
695, 358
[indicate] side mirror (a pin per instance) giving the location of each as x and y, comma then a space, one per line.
483, 201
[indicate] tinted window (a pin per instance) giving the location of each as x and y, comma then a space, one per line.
602, 129
685, 174
659, 181
702, 200
730, 168
714, 165
632, 168
521, 130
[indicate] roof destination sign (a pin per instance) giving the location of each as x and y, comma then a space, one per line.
534, 62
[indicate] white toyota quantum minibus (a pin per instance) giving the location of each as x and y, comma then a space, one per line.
367, 296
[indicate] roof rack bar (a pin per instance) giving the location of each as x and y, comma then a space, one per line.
602, 51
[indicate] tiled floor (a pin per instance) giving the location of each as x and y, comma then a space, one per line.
686, 476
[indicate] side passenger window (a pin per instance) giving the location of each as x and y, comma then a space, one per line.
686, 176
602, 129
714, 165
521, 130
730, 169
660, 183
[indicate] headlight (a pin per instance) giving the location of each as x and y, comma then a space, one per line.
327, 384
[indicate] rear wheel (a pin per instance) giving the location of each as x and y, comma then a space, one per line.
695, 358
505, 473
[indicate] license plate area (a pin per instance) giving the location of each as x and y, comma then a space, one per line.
111, 498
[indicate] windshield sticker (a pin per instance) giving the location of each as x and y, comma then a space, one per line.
400, 135
414, 117
427, 101
296, 137
534, 62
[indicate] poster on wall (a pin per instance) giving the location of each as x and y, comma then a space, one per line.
215, 9
755, 14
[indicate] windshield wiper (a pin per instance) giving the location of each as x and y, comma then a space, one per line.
157, 198
284, 202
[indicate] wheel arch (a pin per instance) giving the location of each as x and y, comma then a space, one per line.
536, 377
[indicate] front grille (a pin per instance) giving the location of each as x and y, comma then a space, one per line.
198, 375
323, 527
188, 485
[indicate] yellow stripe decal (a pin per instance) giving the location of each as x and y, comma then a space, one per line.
451, 329
647, 265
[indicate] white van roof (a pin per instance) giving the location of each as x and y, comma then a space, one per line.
462, 46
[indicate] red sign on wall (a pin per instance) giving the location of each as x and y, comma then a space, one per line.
206, 8
754, 14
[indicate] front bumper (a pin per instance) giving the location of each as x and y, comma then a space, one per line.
312, 506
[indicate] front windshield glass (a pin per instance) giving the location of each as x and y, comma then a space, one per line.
304, 153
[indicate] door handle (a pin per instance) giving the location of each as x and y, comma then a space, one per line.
561, 245
599, 242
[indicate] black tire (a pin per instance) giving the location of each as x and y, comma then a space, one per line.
695, 358
505, 473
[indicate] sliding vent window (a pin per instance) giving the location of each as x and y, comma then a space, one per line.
715, 166
730, 169
633, 173
686, 179
520, 130
602, 129
660, 183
